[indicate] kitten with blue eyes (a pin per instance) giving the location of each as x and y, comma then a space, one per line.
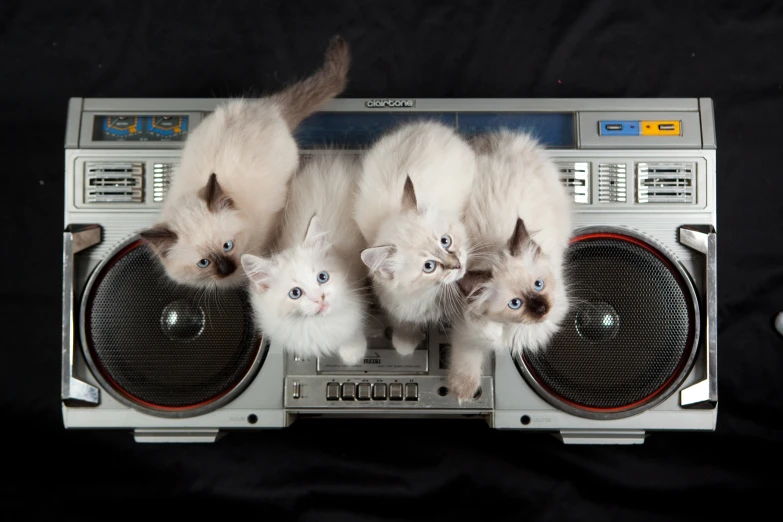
308, 296
230, 185
515, 290
414, 188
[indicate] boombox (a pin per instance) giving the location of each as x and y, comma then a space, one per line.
636, 354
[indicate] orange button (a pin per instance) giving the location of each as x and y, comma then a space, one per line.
661, 128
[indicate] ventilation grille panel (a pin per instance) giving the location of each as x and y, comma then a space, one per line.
575, 176
670, 182
109, 182
612, 187
161, 179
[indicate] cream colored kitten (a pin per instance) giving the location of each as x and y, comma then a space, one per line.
308, 297
516, 295
414, 189
232, 179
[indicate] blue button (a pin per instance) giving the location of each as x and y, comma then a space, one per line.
619, 128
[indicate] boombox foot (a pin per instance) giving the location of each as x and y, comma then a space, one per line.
600, 437
179, 436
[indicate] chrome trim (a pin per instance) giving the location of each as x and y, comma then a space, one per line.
704, 394
544, 394
212, 406
75, 239
707, 123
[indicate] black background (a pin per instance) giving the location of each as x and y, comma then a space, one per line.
393, 470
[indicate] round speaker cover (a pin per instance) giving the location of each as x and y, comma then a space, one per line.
629, 336
161, 347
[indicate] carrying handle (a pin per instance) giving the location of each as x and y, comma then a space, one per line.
75, 239
704, 394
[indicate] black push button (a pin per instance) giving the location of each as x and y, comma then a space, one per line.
332, 391
379, 392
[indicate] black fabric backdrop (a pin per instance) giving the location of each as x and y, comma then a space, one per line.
393, 470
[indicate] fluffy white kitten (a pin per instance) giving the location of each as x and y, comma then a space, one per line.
308, 296
415, 186
232, 179
516, 295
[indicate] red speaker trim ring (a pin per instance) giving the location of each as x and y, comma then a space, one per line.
105, 374
683, 360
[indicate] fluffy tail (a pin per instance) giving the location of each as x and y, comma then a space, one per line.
303, 98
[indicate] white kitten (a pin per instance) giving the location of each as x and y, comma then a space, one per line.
308, 297
516, 295
232, 179
414, 188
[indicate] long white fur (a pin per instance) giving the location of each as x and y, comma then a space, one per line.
250, 148
248, 145
441, 166
318, 233
516, 178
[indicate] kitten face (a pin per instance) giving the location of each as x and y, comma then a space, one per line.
521, 288
421, 248
207, 254
306, 281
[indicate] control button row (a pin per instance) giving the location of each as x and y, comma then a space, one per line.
364, 391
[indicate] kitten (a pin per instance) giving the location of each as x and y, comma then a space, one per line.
308, 296
516, 294
232, 180
415, 186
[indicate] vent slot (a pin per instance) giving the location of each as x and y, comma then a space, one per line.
666, 182
612, 183
575, 176
161, 179
113, 182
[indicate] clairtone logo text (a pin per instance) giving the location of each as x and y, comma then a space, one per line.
374, 104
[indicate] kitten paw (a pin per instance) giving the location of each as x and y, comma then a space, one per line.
405, 345
353, 351
464, 386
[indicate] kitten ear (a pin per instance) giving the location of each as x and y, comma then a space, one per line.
303, 98
409, 195
378, 260
472, 283
257, 270
316, 236
160, 237
214, 196
520, 238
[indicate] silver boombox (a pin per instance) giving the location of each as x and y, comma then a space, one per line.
637, 354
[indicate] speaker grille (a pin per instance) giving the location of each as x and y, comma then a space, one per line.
163, 346
629, 334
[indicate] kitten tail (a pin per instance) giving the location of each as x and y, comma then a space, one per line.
303, 98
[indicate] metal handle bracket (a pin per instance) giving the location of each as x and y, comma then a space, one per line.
703, 239
75, 239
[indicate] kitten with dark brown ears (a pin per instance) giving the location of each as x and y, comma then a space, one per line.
515, 289
232, 180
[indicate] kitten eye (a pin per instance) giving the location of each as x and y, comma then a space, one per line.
429, 266
323, 277
203, 263
295, 293
515, 303
228, 245
538, 285
445, 241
